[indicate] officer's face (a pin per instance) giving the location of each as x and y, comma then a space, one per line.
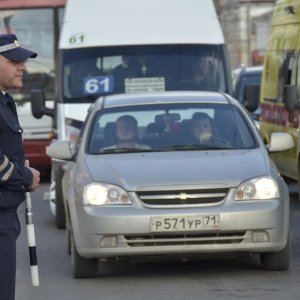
11, 74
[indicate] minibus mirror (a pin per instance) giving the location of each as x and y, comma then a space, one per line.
38, 107
290, 96
251, 96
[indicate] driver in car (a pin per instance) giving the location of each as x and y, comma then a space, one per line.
202, 127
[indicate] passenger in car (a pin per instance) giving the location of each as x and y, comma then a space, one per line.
201, 78
126, 133
202, 127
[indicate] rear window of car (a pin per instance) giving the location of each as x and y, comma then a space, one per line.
172, 127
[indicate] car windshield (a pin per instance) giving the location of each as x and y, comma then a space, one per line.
169, 127
90, 72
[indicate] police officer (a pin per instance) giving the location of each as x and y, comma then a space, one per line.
16, 176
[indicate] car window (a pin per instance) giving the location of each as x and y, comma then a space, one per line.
168, 127
247, 79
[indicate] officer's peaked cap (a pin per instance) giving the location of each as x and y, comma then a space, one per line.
12, 50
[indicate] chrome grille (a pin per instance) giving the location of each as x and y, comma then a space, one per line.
183, 197
185, 239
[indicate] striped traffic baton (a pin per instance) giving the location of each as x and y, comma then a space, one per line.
31, 241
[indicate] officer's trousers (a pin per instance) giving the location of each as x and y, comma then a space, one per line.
9, 232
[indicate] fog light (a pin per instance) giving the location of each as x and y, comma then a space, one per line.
108, 242
260, 237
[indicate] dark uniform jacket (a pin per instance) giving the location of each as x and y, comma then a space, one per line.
15, 178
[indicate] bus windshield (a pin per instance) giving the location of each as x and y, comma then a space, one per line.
34, 28
95, 71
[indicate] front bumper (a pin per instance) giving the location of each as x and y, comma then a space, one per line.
253, 226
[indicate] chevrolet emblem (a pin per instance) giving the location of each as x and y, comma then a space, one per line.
183, 196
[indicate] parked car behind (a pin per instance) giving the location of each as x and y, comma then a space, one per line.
197, 179
246, 84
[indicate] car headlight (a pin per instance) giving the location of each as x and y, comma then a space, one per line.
104, 194
261, 188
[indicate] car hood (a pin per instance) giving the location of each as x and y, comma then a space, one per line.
136, 171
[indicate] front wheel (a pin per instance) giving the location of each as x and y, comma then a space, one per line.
276, 261
68, 236
82, 267
60, 214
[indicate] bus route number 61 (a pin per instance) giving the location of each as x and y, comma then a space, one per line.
98, 85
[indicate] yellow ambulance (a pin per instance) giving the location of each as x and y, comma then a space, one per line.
280, 89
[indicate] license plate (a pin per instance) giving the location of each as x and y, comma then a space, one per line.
185, 223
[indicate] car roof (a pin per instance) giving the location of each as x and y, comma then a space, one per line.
255, 69
243, 72
158, 98
246, 70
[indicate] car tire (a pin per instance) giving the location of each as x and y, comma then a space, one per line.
82, 267
276, 261
68, 234
60, 214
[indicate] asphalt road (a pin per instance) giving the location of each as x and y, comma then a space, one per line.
204, 279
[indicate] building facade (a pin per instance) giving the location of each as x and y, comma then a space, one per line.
245, 25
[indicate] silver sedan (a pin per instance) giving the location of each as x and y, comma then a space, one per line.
178, 174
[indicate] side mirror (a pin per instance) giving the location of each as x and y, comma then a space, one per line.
251, 97
60, 150
280, 141
38, 107
290, 96
37, 99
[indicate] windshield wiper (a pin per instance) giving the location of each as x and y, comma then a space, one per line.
185, 147
189, 147
125, 150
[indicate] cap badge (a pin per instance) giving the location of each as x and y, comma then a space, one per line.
17, 43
